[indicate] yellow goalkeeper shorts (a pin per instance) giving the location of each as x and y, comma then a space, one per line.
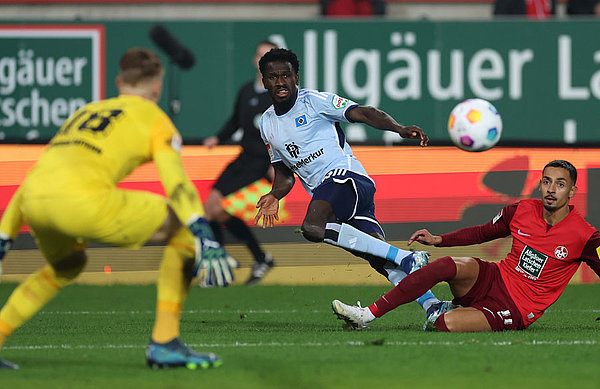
63, 224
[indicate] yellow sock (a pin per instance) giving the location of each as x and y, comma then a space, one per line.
173, 284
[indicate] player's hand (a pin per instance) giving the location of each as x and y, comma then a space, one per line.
5, 243
425, 237
211, 142
414, 132
268, 209
213, 264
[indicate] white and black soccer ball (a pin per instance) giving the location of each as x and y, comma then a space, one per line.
475, 125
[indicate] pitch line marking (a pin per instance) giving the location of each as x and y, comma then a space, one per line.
312, 344
262, 311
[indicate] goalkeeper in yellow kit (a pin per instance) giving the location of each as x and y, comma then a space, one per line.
70, 197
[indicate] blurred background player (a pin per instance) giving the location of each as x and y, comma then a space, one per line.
251, 164
70, 197
303, 136
550, 240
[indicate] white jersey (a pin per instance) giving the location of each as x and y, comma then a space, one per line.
308, 138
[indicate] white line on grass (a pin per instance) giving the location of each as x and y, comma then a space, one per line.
263, 311
313, 344
149, 312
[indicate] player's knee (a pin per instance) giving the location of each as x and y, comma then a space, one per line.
70, 267
313, 232
213, 206
212, 210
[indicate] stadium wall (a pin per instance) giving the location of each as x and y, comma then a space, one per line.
543, 77
179, 10
439, 188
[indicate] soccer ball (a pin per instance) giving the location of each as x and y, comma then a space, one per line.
475, 125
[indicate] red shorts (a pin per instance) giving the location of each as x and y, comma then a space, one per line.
489, 295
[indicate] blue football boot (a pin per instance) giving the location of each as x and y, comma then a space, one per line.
435, 311
177, 354
4, 364
414, 261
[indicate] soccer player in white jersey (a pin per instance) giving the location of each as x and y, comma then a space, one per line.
303, 136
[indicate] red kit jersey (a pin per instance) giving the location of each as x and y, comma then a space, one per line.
543, 258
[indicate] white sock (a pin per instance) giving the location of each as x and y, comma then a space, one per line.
428, 303
395, 273
350, 238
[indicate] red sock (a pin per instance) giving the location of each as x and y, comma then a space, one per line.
414, 285
440, 323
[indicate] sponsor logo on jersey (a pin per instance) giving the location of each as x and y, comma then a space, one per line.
301, 121
531, 263
497, 217
339, 102
561, 252
292, 149
522, 233
306, 160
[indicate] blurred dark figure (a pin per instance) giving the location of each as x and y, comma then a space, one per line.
532, 9
350, 8
583, 7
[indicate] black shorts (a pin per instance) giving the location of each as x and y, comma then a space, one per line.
242, 171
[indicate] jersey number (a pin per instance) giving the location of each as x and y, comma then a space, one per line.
96, 122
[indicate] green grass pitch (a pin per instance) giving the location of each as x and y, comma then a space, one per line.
288, 337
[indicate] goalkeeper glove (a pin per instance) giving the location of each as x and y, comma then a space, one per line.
212, 261
5, 243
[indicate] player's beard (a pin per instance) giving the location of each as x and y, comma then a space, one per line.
551, 207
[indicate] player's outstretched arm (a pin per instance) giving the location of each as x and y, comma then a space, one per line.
212, 262
268, 205
377, 118
425, 237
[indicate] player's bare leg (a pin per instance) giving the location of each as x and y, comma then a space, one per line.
318, 214
213, 208
466, 319
467, 271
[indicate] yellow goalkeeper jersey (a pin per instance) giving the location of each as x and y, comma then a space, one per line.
103, 142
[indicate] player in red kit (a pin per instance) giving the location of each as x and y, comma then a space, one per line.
550, 240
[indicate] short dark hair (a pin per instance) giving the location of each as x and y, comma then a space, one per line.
276, 55
138, 65
568, 166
